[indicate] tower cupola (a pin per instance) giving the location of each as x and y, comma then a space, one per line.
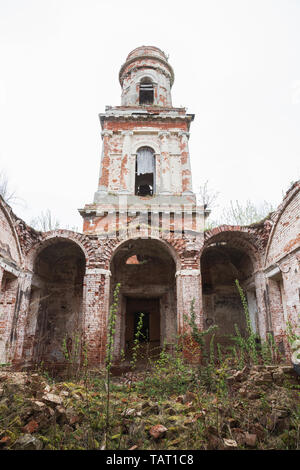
146, 78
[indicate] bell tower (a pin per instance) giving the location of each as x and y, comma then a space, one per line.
145, 155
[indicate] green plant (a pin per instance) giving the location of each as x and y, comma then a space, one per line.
265, 405
266, 350
212, 350
241, 349
71, 351
136, 342
168, 375
220, 354
291, 330
250, 341
109, 351
133, 362
197, 334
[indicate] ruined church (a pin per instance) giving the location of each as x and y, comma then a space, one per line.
144, 231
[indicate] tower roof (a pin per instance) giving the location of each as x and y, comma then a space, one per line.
144, 53
147, 50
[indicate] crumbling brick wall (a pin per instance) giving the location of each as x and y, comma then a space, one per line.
10, 267
59, 284
97, 254
282, 266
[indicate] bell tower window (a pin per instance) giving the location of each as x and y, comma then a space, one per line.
145, 172
146, 91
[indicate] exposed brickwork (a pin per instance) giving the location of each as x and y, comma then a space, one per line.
9, 243
285, 236
56, 287
282, 265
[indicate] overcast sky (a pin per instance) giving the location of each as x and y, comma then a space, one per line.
237, 68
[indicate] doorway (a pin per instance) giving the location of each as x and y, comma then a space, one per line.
149, 338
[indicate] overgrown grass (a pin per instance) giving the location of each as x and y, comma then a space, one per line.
194, 401
168, 375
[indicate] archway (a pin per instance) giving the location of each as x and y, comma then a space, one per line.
145, 268
55, 316
145, 172
222, 262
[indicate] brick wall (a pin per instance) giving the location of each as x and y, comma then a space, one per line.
285, 236
282, 266
8, 243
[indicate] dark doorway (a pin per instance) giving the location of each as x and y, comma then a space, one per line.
150, 338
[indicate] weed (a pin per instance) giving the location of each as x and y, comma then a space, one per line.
250, 343
71, 351
109, 353
197, 334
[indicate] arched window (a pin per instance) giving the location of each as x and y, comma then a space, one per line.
146, 91
145, 172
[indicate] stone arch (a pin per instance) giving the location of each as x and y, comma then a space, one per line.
165, 244
53, 237
56, 306
244, 237
146, 270
153, 145
148, 74
145, 171
228, 253
149, 142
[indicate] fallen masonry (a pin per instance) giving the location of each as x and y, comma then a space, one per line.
254, 411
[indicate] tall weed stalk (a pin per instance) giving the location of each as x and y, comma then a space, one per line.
109, 353
250, 341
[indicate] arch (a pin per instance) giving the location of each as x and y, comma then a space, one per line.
146, 91
55, 316
148, 285
167, 246
53, 237
243, 237
146, 79
143, 76
149, 142
229, 253
150, 74
145, 172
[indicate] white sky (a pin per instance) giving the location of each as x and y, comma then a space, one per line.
237, 67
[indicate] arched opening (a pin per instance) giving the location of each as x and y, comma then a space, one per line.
221, 264
146, 94
55, 316
145, 172
8, 317
146, 270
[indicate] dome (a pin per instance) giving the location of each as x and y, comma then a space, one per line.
146, 54
147, 51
